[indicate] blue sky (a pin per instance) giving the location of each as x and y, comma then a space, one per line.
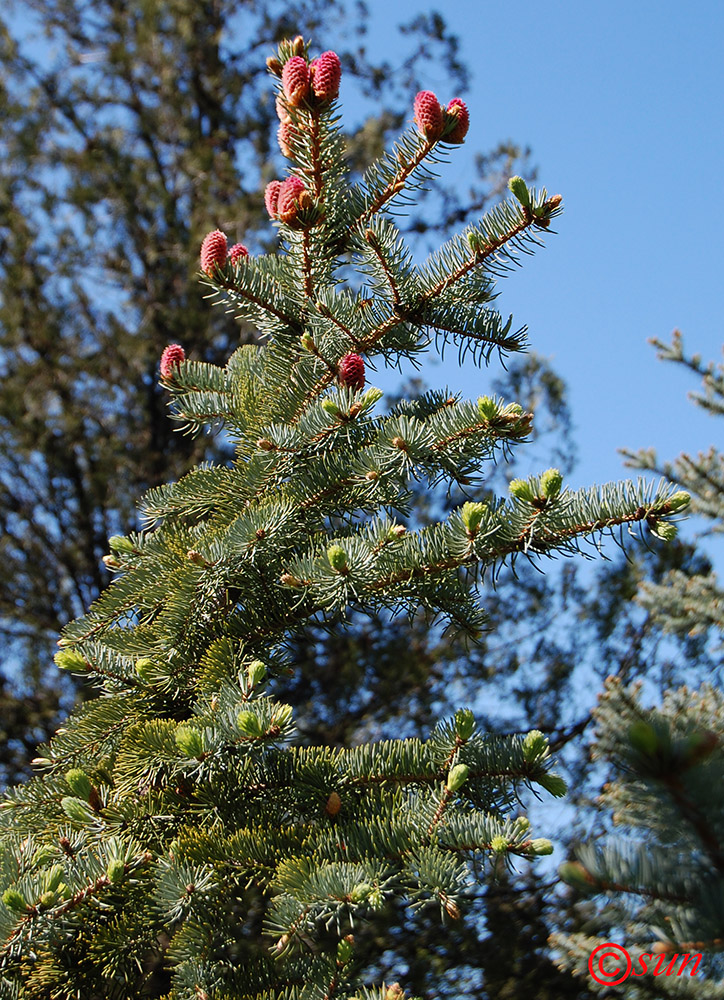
621, 104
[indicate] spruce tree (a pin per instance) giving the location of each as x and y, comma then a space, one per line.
691, 604
657, 885
127, 131
177, 841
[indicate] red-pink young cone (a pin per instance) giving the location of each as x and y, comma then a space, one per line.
295, 80
282, 110
351, 371
237, 252
326, 76
428, 114
171, 358
287, 134
457, 109
213, 251
290, 197
271, 198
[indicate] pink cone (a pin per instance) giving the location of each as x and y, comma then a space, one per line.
290, 196
351, 371
213, 251
286, 134
326, 76
271, 198
171, 358
295, 80
237, 252
282, 111
457, 109
428, 114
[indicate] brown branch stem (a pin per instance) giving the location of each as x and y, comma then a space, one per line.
327, 313
373, 242
398, 182
246, 294
433, 569
307, 265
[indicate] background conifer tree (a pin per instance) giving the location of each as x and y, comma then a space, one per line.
659, 881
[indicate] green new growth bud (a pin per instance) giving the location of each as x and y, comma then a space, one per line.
54, 877
376, 899
464, 723
541, 846
64, 891
457, 777
372, 396
77, 810
573, 873
14, 901
79, 783
256, 672
474, 241
523, 824
145, 668
554, 784
665, 531
514, 410
70, 659
116, 870
307, 342
535, 745
360, 892
472, 515
520, 189
521, 489
487, 407
345, 949
643, 737
248, 724
337, 558
499, 844
120, 544
679, 500
395, 992
48, 899
550, 483
331, 408
699, 746
190, 741
282, 715
42, 856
